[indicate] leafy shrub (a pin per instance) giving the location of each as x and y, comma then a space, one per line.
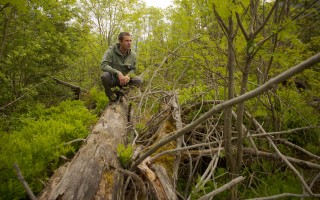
273, 182
37, 146
124, 155
97, 100
298, 113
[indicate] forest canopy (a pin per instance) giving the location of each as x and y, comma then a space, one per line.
201, 53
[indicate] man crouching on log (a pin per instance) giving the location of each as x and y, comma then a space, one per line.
117, 62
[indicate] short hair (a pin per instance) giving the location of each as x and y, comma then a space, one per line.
122, 34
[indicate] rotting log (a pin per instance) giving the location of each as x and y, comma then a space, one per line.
95, 171
160, 173
90, 174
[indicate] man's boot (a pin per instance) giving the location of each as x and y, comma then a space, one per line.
120, 95
111, 95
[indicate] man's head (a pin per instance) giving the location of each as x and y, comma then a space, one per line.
125, 41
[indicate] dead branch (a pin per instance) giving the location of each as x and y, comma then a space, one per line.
24, 183
3, 7
286, 131
233, 138
208, 152
281, 196
209, 171
247, 133
222, 188
295, 171
74, 141
311, 155
301, 163
137, 179
76, 89
176, 113
165, 181
159, 181
249, 95
67, 84
314, 180
64, 158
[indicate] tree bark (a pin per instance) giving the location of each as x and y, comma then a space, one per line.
90, 173
7, 22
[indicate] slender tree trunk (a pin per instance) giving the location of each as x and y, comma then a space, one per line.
228, 112
5, 32
240, 115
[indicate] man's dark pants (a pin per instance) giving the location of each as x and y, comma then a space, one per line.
109, 81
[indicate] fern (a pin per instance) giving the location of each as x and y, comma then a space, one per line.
124, 155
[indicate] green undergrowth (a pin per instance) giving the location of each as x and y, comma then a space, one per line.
124, 155
96, 100
38, 143
261, 180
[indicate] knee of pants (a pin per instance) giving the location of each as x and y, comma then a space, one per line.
137, 80
107, 79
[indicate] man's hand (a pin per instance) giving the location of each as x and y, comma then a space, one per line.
123, 79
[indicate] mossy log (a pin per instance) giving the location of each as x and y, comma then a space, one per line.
90, 174
159, 173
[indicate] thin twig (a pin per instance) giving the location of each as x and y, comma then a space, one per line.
176, 113
233, 138
283, 195
314, 180
222, 188
295, 171
74, 141
299, 148
299, 162
137, 179
24, 183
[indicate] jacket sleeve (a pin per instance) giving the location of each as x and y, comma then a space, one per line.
106, 64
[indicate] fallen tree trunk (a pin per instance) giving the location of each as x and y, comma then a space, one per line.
90, 174
76, 89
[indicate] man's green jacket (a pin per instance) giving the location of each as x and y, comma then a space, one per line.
113, 61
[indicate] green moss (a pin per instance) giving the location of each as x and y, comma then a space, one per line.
167, 160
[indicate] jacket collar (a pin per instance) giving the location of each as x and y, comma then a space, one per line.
117, 50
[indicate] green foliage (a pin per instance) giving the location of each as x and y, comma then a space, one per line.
268, 178
45, 38
4, 89
124, 155
39, 142
296, 112
220, 179
262, 179
97, 99
139, 127
40, 39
